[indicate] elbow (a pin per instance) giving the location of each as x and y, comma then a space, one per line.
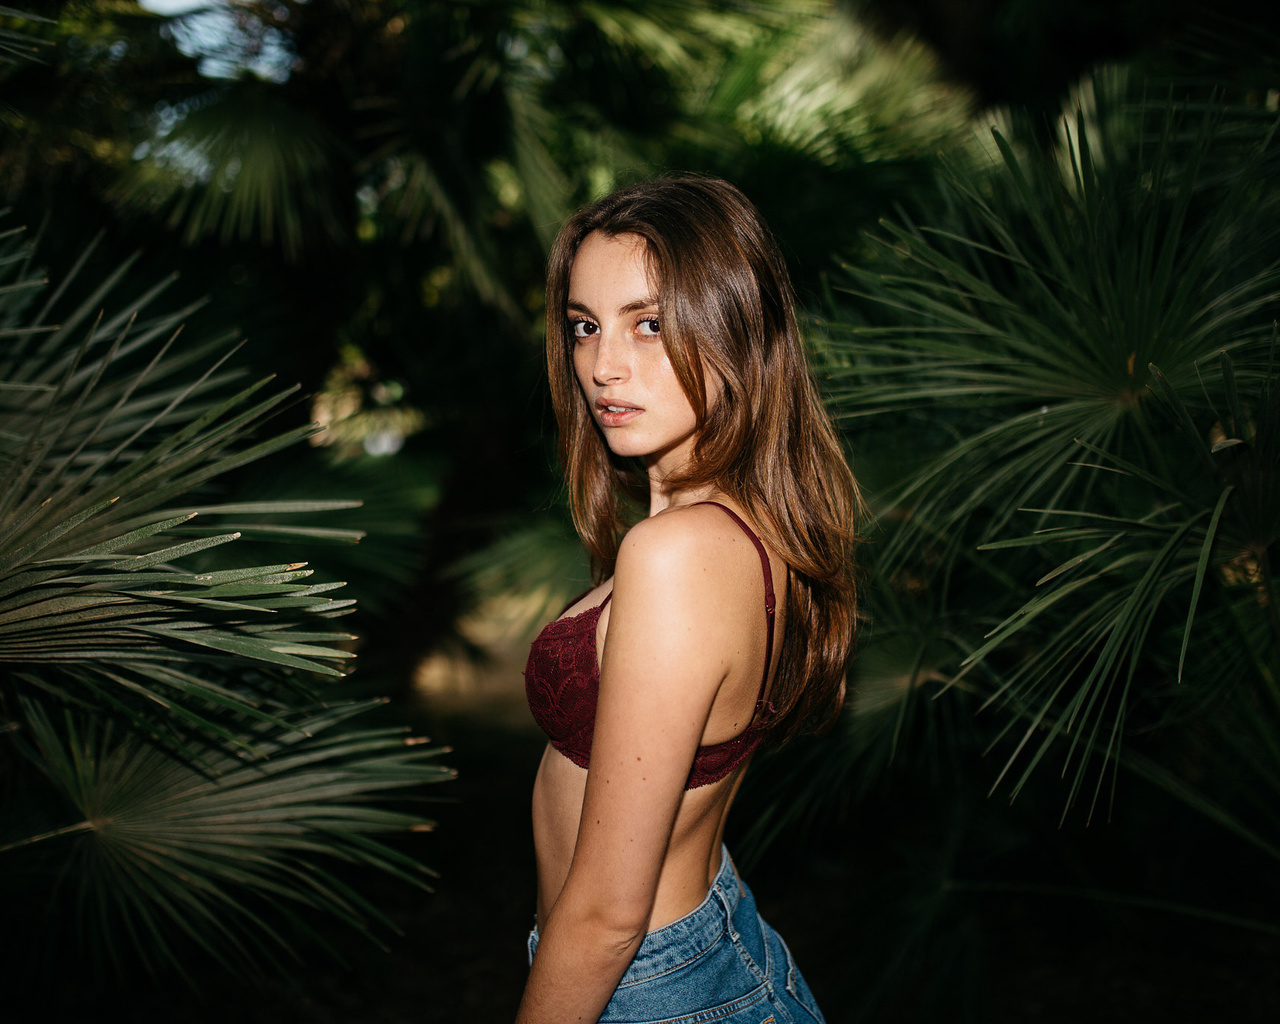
610, 932
619, 929
626, 934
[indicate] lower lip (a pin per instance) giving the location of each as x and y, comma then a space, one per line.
618, 419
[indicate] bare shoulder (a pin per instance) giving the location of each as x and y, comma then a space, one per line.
685, 607
696, 546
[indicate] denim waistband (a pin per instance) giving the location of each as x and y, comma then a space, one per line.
686, 938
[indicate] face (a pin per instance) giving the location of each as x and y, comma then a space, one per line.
621, 363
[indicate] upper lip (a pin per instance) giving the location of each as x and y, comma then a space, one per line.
617, 403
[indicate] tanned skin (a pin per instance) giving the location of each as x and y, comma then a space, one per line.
623, 848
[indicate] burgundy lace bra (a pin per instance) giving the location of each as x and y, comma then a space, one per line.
562, 682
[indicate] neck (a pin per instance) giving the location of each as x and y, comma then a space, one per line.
662, 497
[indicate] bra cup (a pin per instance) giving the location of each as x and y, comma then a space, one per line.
562, 684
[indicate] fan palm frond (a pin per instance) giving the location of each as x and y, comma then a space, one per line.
241, 164
95, 442
174, 710
1040, 321
1083, 347
210, 852
1204, 556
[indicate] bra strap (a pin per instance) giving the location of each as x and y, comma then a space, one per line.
601, 605
770, 603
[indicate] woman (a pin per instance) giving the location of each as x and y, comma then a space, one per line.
721, 619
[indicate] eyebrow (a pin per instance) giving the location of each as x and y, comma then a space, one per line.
630, 307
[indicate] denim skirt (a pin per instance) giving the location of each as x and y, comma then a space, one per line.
719, 963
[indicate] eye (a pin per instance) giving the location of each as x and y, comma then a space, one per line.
583, 328
648, 327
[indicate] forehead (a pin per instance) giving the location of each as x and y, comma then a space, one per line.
613, 266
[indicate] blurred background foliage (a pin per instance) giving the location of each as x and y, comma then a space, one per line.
178, 782
1050, 346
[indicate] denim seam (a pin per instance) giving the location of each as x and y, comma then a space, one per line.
758, 995
666, 970
738, 945
793, 972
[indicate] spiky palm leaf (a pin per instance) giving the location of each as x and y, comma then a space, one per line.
241, 163
1035, 318
199, 794
1015, 338
16, 46
224, 851
101, 436
1169, 617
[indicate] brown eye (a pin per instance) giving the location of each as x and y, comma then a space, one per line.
582, 328
649, 327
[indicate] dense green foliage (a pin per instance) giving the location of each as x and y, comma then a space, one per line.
1093, 329
1062, 387
366, 190
171, 770
1054, 361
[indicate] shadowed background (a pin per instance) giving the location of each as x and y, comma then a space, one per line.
1025, 235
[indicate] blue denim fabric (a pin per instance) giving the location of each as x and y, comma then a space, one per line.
720, 963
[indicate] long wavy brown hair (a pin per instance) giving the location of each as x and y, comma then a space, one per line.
727, 310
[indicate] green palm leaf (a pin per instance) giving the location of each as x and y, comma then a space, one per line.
206, 852
203, 794
242, 164
1020, 329
16, 46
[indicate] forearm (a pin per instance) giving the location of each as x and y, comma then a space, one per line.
575, 970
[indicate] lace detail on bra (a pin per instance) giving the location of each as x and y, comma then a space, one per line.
562, 685
562, 682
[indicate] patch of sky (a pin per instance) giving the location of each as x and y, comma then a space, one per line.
228, 38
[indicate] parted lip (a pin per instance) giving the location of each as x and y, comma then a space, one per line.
604, 404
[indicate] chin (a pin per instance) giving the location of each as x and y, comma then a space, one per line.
631, 451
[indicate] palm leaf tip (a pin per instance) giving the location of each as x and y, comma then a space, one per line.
1102, 596
198, 796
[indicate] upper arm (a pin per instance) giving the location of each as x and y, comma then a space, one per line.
666, 653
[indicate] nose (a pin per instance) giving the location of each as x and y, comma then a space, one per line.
612, 365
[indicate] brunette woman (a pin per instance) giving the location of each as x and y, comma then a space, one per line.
721, 620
